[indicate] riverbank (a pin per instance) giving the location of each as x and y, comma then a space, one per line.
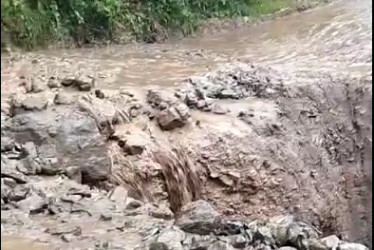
80, 24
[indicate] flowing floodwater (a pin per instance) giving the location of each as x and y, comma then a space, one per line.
335, 38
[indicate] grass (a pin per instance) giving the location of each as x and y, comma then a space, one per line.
37, 23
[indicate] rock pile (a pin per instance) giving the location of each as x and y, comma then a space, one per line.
234, 81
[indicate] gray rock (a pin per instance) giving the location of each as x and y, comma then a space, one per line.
264, 236
136, 143
163, 105
82, 83
33, 204
183, 111
106, 217
80, 140
66, 82
198, 242
62, 229
50, 166
158, 246
171, 118
299, 233
19, 193
352, 246
37, 86
279, 226
191, 99
76, 137
134, 113
228, 94
99, 94
53, 83
28, 166
34, 103
9, 170
316, 244
5, 190
27, 84
7, 144
105, 113
201, 104
9, 182
332, 242
217, 109
219, 245
118, 195
131, 203
127, 92
154, 98
29, 149
198, 217
287, 248
172, 238
161, 213
238, 241
63, 98
84, 86
74, 173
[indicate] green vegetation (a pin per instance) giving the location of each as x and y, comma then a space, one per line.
33, 23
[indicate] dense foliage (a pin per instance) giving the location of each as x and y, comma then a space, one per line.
30, 23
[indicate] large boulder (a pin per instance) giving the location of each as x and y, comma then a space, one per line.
81, 144
199, 217
65, 137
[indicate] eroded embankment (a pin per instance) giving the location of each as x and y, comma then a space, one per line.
288, 148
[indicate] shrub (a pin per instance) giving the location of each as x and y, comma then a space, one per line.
32, 23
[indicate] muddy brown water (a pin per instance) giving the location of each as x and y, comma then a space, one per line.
334, 38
